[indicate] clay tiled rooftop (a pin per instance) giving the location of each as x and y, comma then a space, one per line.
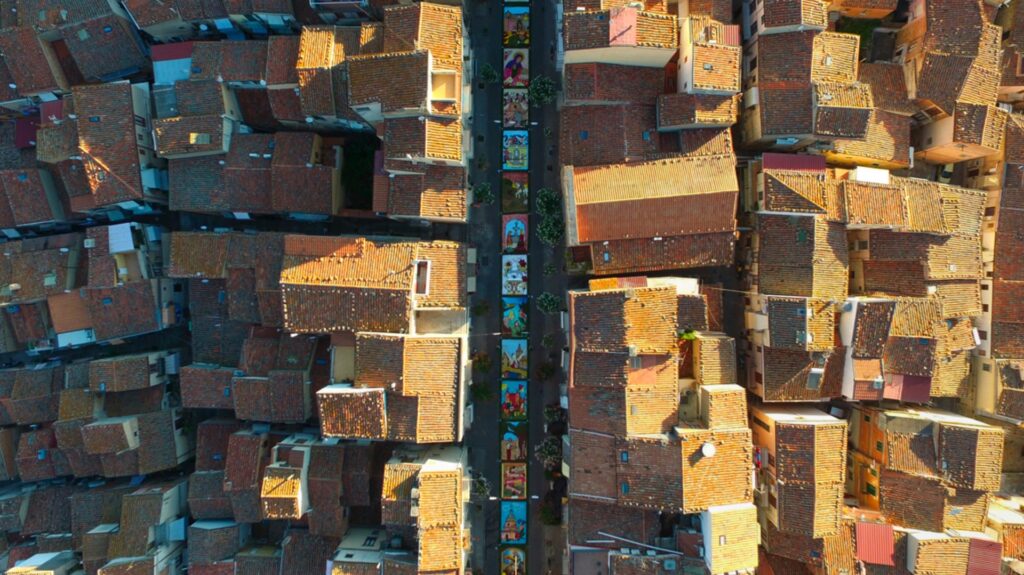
106, 142
811, 13
617, 27
358, 284
657, 204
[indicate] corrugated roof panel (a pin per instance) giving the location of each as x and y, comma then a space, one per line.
875, 543
985, 557
773, 161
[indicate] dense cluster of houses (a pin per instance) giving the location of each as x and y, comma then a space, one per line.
858, 161
187, 398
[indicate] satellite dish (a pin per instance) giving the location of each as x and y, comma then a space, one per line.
708, 449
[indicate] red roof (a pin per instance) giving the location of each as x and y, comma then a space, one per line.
805, 162
53, 108
176, 51
25, 132
875, 543
985, 557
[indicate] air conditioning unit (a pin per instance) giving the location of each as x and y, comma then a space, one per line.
414, 511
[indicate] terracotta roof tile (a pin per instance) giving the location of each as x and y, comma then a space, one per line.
627, 134
353, 413
206, 497
599, 82
835, 57
780, 13
888, 87
397, 81
436, 138
691, 110
25, 57
212, 437
106, 140
231, 61
281, 59
323, 279
432, 192
716, 67
104, 47
982, 125
593, 198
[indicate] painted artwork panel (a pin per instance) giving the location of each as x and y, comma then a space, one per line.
515, 233
514, 319
513, 486
514, 270
516, 70
515, 107
513, 400
514, 440
516, 26
513, 561
515, 192
513, 522
515, 150
514, 360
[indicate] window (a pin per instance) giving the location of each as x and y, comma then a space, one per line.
862, 244
108, 301
753, 64
721, 539
140, 121
762, 424
874, 472
625, 488
986, 367
879, 446
624, 456
870, 490
94, 119
990, 211
984, 307
584, 134
634, 362
108, 29
198, 138
867, 418
983, 335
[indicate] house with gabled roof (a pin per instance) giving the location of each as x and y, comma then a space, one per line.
29, 68
104, 150
672, 226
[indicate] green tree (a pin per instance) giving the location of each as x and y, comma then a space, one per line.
549, 202
549, 452
483, 194
488, 74
549, 303
551, 230
481, 488
542, 91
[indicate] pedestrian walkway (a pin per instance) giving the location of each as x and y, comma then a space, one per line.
515, 289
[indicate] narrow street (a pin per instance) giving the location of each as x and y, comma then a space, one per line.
545, 270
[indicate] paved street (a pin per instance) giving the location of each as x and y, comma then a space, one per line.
485, 236
544, 173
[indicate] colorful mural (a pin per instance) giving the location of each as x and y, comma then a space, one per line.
514, 440
513, 486
514, 275
513, 400
514, 319
514, 364
515, 234
515, 108
513, 561
516, 69
515, 150
516, 26
513, 522
515, 192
